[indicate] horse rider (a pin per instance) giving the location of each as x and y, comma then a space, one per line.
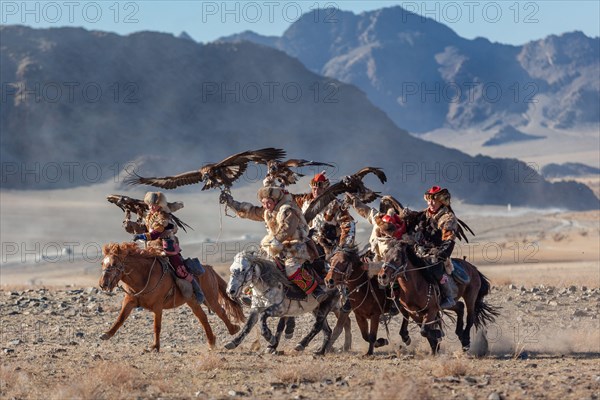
287, 234
159, 225
334, 226
387, 226
435, 235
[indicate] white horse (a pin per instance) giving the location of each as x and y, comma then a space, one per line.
269, 299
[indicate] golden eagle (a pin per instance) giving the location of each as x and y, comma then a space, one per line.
349, 184
129, 205
221, 174
281, 173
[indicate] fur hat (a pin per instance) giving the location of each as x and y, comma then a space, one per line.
440, 194
157, 198
320, 180
272, 192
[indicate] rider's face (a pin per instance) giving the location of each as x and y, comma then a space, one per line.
317, 191
154, 207
268, 203
434, 204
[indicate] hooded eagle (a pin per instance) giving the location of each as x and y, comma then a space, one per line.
349, 184
281, 173
221, 174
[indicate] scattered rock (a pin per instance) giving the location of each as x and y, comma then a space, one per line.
494, 396
579, 313
15, 342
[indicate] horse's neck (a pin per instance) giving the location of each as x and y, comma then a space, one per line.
414, 280
137, 271
358, 275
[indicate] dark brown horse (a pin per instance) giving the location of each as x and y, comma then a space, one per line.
149, 285
421, 298
367, 299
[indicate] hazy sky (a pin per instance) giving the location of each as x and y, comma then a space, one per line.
512, 22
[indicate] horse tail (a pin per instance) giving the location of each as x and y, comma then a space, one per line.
484, 313
232, 308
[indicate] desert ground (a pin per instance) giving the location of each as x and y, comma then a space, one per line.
544, 266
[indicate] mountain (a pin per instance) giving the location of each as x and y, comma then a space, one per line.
425, 76
81, 104
509, 134
552, 171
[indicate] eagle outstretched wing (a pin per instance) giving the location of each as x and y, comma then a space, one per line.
140, 208
388, 202
349, 184
282, 173
221, 174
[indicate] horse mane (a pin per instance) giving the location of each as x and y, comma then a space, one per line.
269, 272
130, 249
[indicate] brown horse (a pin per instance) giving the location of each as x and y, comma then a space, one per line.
367, 299
149, 285
421, 298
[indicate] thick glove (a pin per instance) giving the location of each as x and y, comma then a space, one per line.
140, 236
225, 198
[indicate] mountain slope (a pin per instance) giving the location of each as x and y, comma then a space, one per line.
181, 104
426, 77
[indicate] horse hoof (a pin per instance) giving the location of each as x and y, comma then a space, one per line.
299, 347
407, 341
230, 346
105, 336
289, 335
466, 348
319, 353
381, 342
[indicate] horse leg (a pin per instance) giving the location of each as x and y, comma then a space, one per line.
126, 307
213, 304
459, 309
377, 342
404, 328
280, 327
320, 315
252, 318
340, 325
201, 315
465, 340
326, 338
264, 326
363, 325
347, 333
290, 325
157, 327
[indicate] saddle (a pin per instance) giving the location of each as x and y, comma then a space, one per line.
193, 265
459, 274
293, 292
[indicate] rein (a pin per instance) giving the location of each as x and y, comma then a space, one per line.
143, 291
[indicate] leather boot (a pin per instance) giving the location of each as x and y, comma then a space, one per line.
319, 294
450, 291
197, 291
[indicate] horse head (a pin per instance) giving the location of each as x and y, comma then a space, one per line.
340, 267
112, 266
394, 262
241, 270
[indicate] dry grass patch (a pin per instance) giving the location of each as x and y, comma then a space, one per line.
396, 386
211, 362
107, 380
446, 366
301, 371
